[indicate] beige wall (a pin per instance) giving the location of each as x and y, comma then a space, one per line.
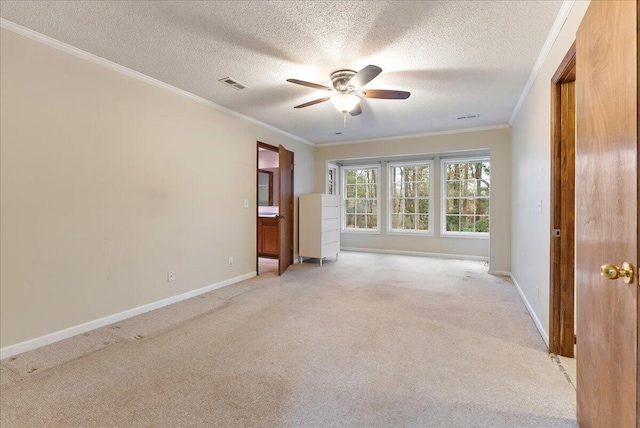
531, 228
498, 143
108, 182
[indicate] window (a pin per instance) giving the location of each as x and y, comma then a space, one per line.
465, 189
409, 197
360, 197
332, 179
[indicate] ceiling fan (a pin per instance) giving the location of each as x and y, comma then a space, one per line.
347, 90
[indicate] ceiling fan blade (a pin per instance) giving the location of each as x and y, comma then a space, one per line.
357, 110
310, 103
365, 76
386, 94
309, 84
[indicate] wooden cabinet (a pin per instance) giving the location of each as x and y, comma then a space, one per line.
268, 237
319, 220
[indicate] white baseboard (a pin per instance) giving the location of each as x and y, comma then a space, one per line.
536, 321
499, 272
57, 336
415, 253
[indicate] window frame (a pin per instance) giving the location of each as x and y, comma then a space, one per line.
343, 214
331, 166
443, 198
390, 230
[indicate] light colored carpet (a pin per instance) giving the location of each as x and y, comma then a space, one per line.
370, 340
267, 266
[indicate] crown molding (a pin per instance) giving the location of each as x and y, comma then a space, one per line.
426, 134
56, 44
563, 13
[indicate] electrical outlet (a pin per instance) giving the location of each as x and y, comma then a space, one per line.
230, 261
171, 275
246, 203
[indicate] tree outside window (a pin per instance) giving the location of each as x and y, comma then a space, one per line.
466, 191
409, 197
360, 198
332, 179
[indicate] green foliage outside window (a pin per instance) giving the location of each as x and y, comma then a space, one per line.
467, 191
361, 198
409, 199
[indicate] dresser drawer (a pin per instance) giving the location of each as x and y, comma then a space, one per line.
330, 212
331, 224
330, 250
330, 237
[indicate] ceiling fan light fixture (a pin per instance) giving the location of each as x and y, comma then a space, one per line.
344, 103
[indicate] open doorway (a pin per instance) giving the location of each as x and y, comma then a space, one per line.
274, 213
268, 179
562, 333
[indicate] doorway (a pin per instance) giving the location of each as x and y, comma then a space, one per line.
562, 336
274, 209
268, 192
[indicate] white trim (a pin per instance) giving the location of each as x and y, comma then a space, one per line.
444, 233
499, 272
410, 232
563, 13
343, 198
464, 235
426, 134
411, 157
536, 321
46, 40
28, 345
416, 253
332, 166
428, 232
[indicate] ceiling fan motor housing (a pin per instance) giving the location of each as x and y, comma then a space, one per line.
346, 91
340, 80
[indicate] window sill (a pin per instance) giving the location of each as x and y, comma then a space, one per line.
409, 233
361, 231
464, 235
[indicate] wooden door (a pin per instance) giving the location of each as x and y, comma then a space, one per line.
285, 258
607, 214
562, 267
565, 245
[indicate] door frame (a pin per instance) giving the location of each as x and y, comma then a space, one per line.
562, 248
265, 146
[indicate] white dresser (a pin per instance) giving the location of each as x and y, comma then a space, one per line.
319, 226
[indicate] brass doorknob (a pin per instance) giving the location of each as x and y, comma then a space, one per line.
626, 272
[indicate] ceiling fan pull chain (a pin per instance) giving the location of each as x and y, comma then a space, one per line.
344, 125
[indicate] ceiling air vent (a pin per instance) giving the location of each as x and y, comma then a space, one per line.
469, 116
232, 83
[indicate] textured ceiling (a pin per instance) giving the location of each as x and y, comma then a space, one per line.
455, 57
